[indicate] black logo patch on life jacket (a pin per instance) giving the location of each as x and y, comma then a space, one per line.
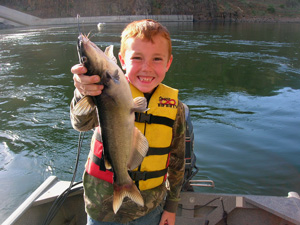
167, 102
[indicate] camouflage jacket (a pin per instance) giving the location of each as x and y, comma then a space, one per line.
98, 194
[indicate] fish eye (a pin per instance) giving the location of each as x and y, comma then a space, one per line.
83, 59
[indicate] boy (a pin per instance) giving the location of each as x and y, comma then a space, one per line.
145, 55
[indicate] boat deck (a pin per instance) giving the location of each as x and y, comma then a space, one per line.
194, 208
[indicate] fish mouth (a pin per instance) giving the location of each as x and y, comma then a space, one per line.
82, 46
80, 49
146, 79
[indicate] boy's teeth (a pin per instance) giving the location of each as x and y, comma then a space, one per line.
145, 79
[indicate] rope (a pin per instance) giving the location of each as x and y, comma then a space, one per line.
57, 204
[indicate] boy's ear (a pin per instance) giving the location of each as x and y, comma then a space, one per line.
122, 61
169, 63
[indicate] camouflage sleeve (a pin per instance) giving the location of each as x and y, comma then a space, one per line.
176, 166
83, 112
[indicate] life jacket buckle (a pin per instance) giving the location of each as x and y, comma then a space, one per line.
137, 175
143, 117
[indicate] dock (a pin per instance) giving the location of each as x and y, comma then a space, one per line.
14, 18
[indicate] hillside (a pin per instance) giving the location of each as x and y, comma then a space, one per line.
202, 10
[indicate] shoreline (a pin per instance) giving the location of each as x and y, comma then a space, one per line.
270, 20
259, 20
250, 19
10, 18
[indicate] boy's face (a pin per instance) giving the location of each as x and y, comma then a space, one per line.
146, 63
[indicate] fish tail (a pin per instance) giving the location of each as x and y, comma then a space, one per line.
127, 190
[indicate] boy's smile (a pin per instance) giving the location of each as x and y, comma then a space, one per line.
146, 62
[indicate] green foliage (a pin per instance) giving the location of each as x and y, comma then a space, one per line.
156, 4
250, 5
271, 9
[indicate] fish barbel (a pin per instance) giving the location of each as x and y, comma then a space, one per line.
124, 145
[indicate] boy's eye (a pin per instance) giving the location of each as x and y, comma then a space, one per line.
157, 59
136, 58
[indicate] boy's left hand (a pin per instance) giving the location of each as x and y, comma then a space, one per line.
167, 218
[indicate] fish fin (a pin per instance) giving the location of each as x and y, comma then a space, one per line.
140, 104
139, 150
109, 52
85, 106
107, 164
115, 76
127, 190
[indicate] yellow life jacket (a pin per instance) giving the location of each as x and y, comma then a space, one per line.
156, 124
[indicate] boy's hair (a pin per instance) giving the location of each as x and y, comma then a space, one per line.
144, 29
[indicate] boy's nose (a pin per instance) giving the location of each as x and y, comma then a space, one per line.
147, 66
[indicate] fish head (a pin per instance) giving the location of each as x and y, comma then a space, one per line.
98, 62
91, 56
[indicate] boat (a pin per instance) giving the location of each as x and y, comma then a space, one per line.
57, 202
194, 208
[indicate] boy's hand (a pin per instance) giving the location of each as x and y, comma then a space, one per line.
167, 218
86, 85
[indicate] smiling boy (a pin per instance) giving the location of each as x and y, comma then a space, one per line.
145, 55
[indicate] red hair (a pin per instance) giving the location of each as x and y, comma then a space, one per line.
144, 29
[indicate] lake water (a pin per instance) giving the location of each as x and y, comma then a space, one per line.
241, 82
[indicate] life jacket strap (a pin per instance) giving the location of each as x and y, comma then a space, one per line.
138, 175
158, 151
99, 161
149, 118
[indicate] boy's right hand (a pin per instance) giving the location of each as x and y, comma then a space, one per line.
86, 85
